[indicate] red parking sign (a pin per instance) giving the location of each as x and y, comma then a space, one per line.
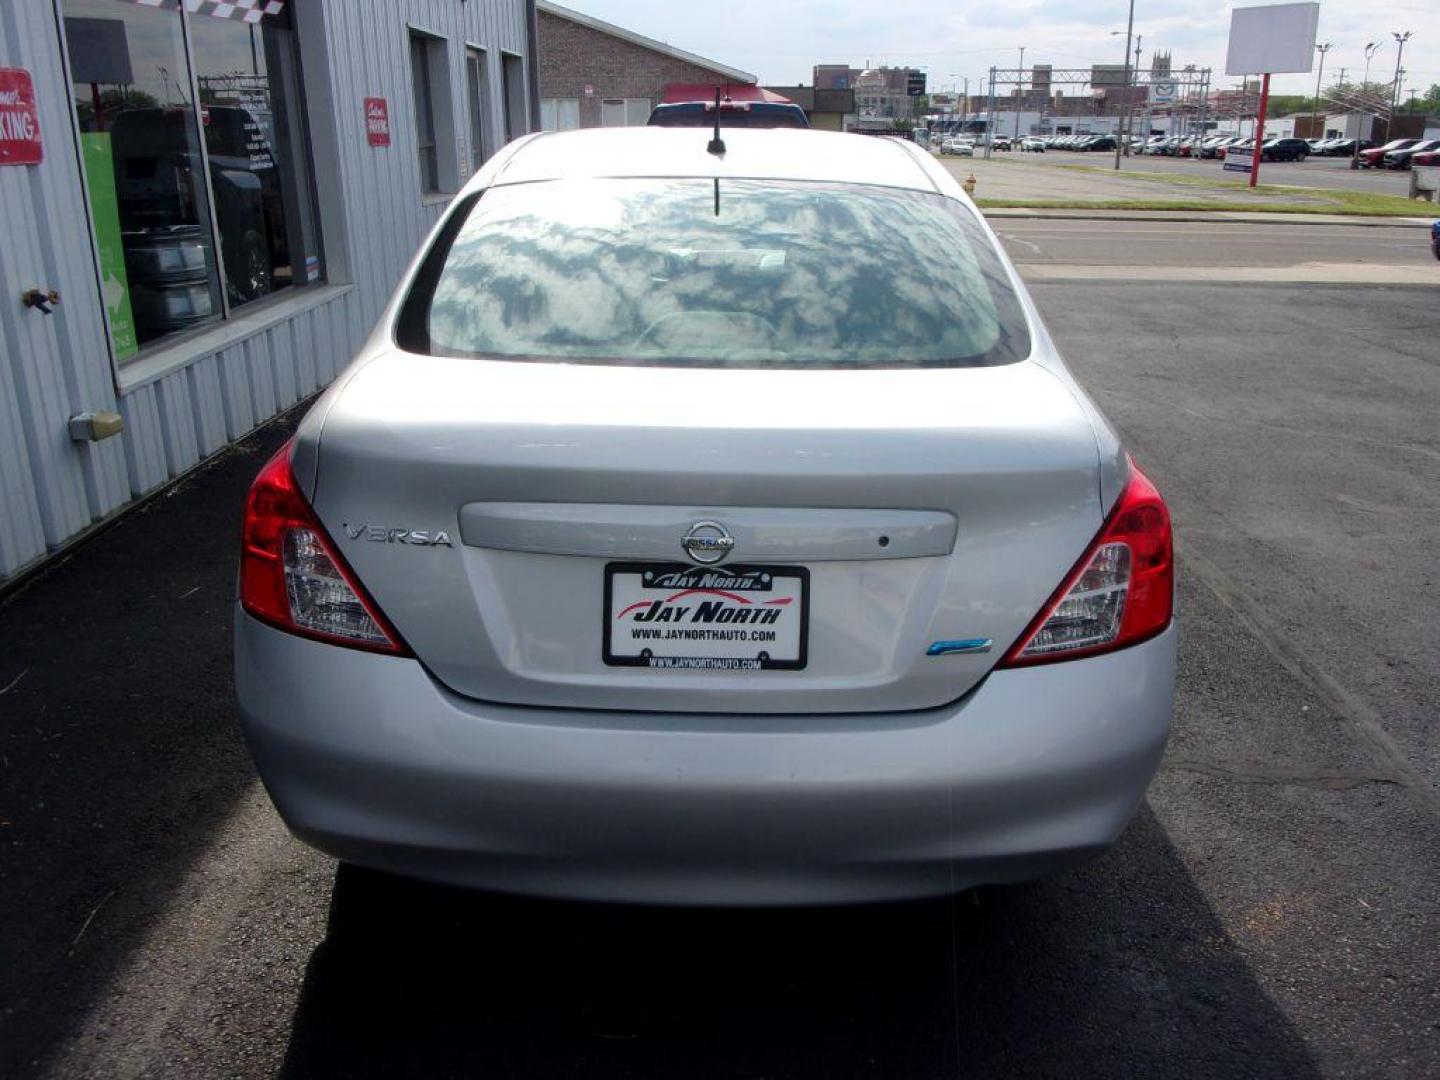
19, 122
377, 121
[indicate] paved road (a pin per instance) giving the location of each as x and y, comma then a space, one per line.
1273, 911
1054, 249
1318, 172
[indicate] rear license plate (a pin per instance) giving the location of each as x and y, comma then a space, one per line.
733, 618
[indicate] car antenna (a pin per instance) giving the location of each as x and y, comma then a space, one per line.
717, 145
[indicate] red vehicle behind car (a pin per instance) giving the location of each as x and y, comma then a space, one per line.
1370, 159
1429, 157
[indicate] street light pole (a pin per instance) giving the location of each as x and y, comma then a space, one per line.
1315, 113
1370, 48
1400, 40
1129, 90
1130, 105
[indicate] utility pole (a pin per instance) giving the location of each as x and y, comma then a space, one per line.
1019, 91
1315, 113
990, 118
1123, 143
1400, 40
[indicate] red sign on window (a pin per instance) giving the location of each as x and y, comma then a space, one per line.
19, 122
377, 121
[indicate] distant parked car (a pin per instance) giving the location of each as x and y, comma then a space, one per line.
962, 147
1370, 159
1285, 150
1100, 143
1002, 142
1033, 145
1346, 147
1429, 157
1401, 159
1215, 148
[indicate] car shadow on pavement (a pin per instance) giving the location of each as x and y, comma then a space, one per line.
1118, 968
120, 754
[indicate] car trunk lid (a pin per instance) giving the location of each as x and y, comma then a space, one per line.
493, 508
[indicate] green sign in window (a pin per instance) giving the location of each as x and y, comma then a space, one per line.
105, 207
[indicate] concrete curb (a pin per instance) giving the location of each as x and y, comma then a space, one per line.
1210, 217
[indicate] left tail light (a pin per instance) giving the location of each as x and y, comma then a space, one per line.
292, 577
1121, 592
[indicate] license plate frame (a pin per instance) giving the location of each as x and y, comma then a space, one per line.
750, 581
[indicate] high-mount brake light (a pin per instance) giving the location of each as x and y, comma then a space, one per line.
1121, 592
292, 577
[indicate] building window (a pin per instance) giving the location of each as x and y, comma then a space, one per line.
193, 142
624, 112
559, 114
255, 139
477, 87
513, 88
424, 114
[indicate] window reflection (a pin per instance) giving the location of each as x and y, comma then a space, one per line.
143, 169
258, 170
168, 230
734, 272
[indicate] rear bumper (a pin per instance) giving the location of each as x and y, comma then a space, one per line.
369, 759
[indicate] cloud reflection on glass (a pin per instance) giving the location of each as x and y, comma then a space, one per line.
786, 274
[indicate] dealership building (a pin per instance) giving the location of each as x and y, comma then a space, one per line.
206, 206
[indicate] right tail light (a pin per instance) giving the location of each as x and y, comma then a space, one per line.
1121, 592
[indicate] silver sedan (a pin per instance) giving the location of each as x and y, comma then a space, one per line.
707, 528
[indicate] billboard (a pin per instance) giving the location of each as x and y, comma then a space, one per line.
1273, 39
915, 83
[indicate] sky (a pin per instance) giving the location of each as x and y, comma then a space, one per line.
780, 40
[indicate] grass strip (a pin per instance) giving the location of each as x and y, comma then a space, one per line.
1344, 201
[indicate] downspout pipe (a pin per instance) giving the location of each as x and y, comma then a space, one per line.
532, 47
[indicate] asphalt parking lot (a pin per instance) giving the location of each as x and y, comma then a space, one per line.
1274, 910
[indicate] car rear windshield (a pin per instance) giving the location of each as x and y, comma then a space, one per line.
722, 273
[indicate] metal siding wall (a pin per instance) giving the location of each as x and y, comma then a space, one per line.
377, 33
50, 488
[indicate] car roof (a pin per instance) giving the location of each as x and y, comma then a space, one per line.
780, 154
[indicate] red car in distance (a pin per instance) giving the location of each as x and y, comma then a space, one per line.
1373, 159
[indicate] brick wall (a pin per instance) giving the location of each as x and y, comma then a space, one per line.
574, 56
